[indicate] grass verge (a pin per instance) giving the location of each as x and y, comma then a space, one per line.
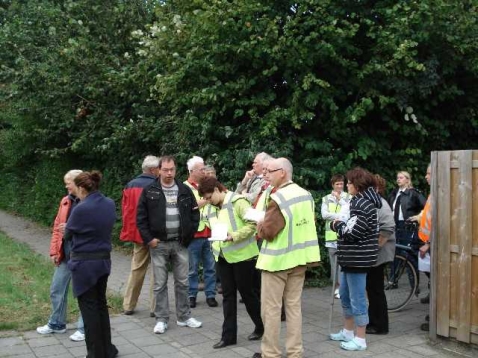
25, 288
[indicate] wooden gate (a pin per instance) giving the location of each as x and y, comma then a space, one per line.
454, 284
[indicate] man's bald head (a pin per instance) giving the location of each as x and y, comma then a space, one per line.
280, 171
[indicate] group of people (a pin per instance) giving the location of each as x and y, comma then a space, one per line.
361, 230
270, 240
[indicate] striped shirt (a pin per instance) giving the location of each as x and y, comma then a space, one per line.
358, 237
172, 212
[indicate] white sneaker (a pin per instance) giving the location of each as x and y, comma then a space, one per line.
191, 323
46, 329
160, 327
77, 336
336, 293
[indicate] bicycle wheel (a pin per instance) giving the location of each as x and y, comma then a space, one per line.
401, 282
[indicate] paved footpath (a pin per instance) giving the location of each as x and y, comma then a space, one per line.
134, 337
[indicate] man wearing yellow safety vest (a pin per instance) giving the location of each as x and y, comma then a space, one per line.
200, 248
290, 246
331, 210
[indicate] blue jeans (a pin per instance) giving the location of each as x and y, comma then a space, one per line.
59, 298
177, 256
200, 250
353, 297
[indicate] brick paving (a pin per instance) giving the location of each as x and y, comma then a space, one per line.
134, 337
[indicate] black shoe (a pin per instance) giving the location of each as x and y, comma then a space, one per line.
192, 302
257, 355
255, 336
211, 302
128, 313
425, 299
373, 330
151, 314
425, 327
222, 344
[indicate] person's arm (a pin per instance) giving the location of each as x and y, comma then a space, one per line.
57, 235
254, 190
142, 222
273, 222
240, 207
195, 214
355, 228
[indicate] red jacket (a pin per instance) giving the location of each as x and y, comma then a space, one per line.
56, 243
129, 204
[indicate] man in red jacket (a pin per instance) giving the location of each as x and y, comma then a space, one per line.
129, 232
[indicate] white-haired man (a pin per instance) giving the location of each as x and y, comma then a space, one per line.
200, 247
129, 232
290, 245
250, 185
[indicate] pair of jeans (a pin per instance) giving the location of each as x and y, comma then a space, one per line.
200, 251
177, 256
94, 308
353, 297
60, 285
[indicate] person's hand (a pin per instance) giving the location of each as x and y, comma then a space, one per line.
54, 259
61, 228
249, 174
413, 218
229, 238
424, 249
153, 243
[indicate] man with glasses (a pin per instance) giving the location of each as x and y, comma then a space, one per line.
200, 247
250, 185
290, 245
167, 218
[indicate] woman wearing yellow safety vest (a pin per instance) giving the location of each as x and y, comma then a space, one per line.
236, 258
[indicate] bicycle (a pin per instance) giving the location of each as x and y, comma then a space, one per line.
401, 278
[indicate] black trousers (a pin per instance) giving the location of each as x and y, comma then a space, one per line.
94, 309
238, 277
377, 307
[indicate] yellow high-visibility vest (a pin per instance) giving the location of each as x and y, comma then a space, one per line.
297, 243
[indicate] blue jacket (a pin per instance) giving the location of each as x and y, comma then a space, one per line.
90, 224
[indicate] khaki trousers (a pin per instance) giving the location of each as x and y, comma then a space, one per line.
139, 266
288, 285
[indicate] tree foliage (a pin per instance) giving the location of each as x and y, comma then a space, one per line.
329, 84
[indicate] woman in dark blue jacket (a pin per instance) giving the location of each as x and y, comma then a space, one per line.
90, 226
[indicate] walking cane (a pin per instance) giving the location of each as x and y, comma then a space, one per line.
332, 296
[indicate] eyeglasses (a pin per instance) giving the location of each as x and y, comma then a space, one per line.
273, 171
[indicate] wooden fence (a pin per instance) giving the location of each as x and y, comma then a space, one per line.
454, 284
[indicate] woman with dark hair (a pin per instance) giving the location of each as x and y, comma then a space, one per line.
90, 226
357, 249
236, 258
377, 301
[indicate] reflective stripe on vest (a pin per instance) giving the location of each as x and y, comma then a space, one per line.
233, 251
203, 220
297, 243
426, 222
